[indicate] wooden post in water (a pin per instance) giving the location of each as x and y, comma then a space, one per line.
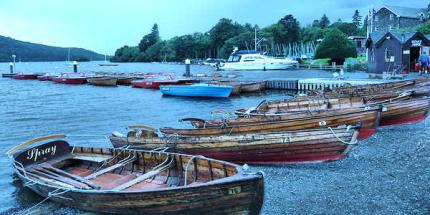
187, 67
75, 66
11, 68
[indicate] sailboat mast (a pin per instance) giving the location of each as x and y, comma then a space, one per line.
255, 39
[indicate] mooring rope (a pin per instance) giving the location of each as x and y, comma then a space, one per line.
55, 193
186, 167
344, 142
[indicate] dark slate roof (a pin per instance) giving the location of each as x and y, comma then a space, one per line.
377, 37
405, 11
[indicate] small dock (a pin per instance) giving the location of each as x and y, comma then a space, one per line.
316, 83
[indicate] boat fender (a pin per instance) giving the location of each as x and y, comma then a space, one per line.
117, 134
245, 167
322, 123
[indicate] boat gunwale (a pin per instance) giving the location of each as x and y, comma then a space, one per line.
240, 176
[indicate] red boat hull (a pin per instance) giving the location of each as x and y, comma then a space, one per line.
282, 155
366, 133
152, 84
404, 120
413, 111
44, 78
70, 80
25, 77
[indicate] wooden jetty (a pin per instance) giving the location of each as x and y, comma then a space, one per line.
316, 83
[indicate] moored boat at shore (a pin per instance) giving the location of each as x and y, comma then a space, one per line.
397, 110
311, 145
251, 60
8, 75
45, 77
154, 81
124, 80
369, 117
23, 76
197, 90
135, 181
70, 78
102, 81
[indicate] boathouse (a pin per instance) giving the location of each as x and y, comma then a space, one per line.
392, 51
359, 42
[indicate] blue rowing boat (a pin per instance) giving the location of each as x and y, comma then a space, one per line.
197, 90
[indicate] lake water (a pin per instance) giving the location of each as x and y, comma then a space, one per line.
88, 113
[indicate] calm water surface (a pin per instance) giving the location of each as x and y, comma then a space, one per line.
87, 113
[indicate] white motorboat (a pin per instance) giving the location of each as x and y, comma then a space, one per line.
251, 60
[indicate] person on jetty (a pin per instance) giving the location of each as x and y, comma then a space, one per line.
424, 61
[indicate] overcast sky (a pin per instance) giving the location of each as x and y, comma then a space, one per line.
104, 25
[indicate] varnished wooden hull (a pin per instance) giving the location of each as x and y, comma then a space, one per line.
313, 145
102, 81
212, 199
403, 110
213, 187
369, 117
250, 87
124, 81
411, 111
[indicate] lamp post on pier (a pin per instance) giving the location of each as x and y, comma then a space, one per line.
13, 56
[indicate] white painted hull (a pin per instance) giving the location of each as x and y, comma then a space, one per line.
256, 66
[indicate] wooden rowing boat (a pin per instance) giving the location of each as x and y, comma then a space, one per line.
236, 86
124, 80
361, 90
399, 110
368, 116
307, 103
312, 145
250, 87
102, 81
134, 181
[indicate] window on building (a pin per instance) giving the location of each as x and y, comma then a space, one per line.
391, 16
389, 55
390, 27
376, 18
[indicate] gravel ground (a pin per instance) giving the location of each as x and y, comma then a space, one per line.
388, 173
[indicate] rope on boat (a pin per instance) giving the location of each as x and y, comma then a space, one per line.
186, 167
171, 137
55, 193
344, 142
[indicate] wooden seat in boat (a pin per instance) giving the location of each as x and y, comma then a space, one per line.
145, 185
108, 181
80, 171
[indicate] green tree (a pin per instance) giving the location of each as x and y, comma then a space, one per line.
312, 34
244, 41
316, 23
365, 24
425, 28
336, 46
183, 47
292, 28
125, 54
149, 39
277, 33
222, 31
202, 45
356, 19
349, 29
324, 22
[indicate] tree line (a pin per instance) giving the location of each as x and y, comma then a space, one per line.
220, 40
